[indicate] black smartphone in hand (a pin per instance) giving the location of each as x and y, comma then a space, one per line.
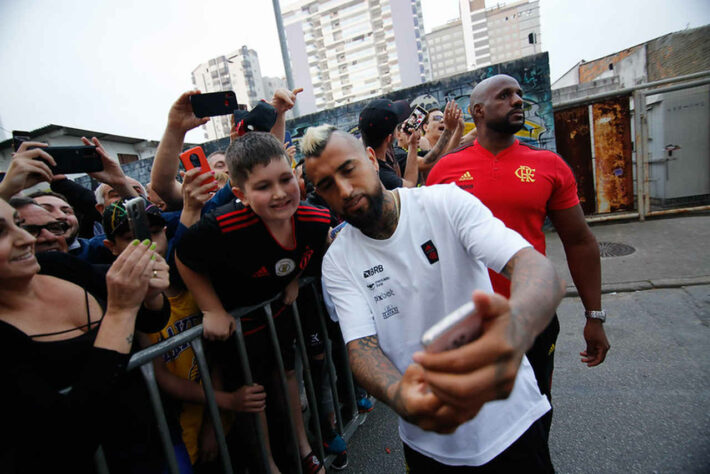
19, 137
214, 103
74, 159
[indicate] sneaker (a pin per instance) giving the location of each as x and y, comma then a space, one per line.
311, 464
334, 443
340, 462
364, 405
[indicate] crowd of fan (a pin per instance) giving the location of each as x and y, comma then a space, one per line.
76, 287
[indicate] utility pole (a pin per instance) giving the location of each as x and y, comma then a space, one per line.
284, 50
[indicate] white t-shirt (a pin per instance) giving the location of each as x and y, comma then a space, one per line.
398, 287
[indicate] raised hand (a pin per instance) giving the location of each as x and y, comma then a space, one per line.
284, 99
27, 168
181, 116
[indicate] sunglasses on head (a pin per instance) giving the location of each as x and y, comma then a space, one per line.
56, 228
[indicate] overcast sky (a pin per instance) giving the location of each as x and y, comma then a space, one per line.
116, 67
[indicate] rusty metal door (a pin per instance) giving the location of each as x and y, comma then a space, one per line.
599, 153
575, 146
612, 155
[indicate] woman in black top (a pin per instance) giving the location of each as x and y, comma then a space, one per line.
72, 328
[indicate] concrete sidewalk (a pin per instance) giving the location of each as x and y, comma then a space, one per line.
670, 252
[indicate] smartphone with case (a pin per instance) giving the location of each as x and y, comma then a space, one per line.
213, 104
19, 137
74, 159
137, 219
456, 329
414, 121
195, 158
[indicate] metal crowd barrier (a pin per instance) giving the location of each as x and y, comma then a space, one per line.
144, 358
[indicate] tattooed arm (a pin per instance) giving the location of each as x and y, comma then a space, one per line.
485, 370
405, 393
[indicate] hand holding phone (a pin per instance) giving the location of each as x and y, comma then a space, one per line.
456, 329
75, 159
195, 158
414, 121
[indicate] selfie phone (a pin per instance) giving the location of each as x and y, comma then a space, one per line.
137, 219
18, 138
194, 158
414, 121
456, 329
74, 159
214, 103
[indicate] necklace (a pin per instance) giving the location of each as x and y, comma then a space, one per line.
396, 202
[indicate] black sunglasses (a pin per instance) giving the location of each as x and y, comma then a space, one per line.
56, 228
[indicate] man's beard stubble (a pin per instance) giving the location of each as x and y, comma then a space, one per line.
366, 219
503, 125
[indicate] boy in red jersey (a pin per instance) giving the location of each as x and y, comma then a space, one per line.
248, 251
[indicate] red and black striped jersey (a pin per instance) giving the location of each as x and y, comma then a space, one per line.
245, 263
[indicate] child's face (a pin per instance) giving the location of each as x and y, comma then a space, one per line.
272, 191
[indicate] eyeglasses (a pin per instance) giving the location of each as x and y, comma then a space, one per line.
56, 228
437, 118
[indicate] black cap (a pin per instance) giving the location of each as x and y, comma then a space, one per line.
261, 118
379, 118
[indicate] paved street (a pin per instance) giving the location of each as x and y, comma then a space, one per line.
647, 408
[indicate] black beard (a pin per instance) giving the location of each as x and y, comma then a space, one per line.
504, 126
365, 220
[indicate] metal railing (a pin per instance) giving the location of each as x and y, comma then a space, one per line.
143, 360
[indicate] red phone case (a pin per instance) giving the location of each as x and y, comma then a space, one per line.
195, 157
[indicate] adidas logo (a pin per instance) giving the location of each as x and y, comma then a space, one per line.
466, 177
262, 272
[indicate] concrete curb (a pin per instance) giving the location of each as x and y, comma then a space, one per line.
628, 286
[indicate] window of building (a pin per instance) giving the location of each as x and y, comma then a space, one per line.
124, 158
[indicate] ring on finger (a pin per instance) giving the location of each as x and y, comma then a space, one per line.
155, 273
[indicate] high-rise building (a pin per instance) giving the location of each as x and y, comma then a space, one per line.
483, 36
343, 51
238, 71
446, 50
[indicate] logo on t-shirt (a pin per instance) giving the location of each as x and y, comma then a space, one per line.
466, 177
285, 266
260, 273
390, 310
373, 271
430, 252
525, 174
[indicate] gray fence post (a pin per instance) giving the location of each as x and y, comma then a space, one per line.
211, 403
248, 380
149, 374
282, 375
312, 399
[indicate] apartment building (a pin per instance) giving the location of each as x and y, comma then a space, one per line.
483, 36
343, 51
238, 71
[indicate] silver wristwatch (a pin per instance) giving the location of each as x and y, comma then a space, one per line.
600, 315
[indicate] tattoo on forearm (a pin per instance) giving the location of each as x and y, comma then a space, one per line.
439, 147
373, 370
535, 292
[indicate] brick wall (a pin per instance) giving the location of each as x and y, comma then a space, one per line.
679, 53
591, 70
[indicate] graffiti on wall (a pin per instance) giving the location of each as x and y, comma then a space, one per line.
532, 72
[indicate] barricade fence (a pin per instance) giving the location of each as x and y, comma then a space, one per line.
345, 425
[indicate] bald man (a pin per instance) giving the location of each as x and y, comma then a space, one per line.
522, 185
